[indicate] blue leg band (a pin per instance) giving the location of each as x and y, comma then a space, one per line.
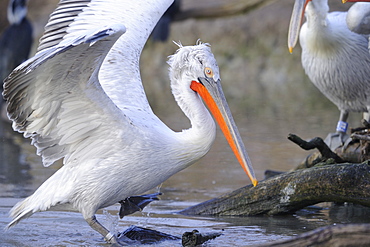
342, 126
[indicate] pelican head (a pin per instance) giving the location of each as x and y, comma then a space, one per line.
192, 59
194, 70
318, 8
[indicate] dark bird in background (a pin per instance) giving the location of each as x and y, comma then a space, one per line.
15, 45
16, 40
162, 29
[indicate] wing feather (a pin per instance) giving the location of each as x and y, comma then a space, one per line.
60, 19
44, 103
77, 97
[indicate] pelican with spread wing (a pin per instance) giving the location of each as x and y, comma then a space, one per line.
80, 99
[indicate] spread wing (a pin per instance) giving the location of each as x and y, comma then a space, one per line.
67, 97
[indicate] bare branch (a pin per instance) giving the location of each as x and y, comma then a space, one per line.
222, 10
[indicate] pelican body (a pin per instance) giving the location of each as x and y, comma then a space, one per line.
80, 99
335, 59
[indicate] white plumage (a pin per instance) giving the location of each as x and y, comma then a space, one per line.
80, 99
335, 59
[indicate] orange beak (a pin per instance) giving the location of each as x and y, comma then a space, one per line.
213, 96
296, 22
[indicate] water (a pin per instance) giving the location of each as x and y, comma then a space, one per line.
217, 173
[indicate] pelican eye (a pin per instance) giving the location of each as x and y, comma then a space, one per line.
208, 71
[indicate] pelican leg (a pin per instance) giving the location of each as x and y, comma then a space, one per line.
340, 137
366, 115
94, 224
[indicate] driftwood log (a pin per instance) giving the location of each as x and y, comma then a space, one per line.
289, 192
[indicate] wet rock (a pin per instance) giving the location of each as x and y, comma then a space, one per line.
140, 235
195, 238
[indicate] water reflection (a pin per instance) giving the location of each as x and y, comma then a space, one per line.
348, 213
14, 170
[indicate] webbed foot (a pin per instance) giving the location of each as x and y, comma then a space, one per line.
335, 140
133, 204
339, 138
